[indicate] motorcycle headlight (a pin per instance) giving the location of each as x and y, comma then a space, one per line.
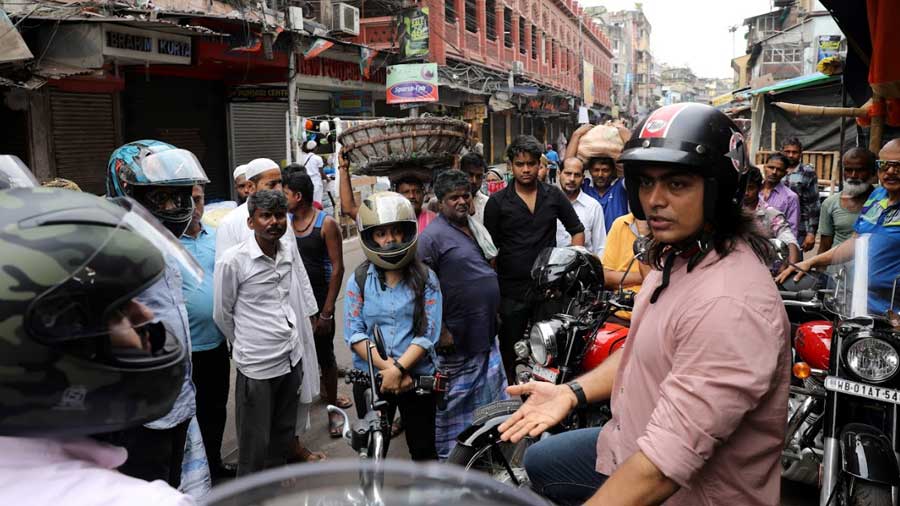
872, 359
543, 341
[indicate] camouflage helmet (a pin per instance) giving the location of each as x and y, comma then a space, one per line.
387, 208
138, 169
70, 265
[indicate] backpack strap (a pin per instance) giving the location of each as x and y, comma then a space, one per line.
359, 274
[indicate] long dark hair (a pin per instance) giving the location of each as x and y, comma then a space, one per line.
415, 275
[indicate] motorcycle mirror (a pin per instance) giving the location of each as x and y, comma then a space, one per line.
379, 343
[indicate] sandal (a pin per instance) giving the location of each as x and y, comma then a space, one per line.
335, 425
301, 453
343, 402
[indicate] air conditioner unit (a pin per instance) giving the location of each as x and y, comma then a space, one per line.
295, 17
518, 68
346, 19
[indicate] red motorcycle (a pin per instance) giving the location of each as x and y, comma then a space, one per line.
558, 348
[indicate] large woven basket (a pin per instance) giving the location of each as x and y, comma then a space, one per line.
383, 147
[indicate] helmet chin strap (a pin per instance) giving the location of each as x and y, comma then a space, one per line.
694, 249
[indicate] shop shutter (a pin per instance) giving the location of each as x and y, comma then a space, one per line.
84, 135
257, 130
311, 108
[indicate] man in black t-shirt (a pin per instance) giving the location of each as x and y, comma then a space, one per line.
521, 219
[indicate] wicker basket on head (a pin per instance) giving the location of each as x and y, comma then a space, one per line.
382, 147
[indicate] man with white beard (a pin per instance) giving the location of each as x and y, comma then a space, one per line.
839, 211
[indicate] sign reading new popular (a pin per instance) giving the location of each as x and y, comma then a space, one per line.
412, 83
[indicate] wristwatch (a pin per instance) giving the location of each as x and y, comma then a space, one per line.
399, 366
579, 394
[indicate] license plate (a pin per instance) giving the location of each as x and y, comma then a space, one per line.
544, 373
862, 390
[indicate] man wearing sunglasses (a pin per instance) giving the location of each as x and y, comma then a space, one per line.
880, 217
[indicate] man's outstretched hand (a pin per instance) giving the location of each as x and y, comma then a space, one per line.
547, 405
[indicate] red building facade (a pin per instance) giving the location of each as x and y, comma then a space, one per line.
549, 38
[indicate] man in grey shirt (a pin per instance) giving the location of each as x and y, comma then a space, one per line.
839, 211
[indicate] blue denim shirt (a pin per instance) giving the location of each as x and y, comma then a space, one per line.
166, 301
391, 308
205, 335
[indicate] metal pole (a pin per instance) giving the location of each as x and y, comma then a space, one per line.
292, 103
843, 134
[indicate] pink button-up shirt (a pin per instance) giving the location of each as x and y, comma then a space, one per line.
702, 388
74, 472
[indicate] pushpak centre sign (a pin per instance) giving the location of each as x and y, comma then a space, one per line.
412, 83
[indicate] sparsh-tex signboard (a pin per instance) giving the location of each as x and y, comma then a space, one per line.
412, 83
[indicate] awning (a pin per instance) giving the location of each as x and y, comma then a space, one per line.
794, 83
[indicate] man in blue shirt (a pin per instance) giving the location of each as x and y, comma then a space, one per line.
608, 189
212, 371
553, 162
880, 220
471, 298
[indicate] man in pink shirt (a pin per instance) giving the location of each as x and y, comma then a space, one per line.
699, 392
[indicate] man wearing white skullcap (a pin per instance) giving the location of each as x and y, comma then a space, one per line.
241, 185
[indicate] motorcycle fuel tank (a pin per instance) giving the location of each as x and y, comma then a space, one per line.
813, 343
608, 338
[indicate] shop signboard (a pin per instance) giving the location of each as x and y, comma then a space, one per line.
146, 45
827, 45
258, 94
414, 34
351, 103
412, 83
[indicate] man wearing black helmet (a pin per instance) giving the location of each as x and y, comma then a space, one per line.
79, 355
699, 395
160, 177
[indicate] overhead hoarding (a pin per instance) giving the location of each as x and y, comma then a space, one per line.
412, 83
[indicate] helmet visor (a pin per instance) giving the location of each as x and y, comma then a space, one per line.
97, 298
174, 166
14, 173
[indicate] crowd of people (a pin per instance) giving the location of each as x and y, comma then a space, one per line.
448, 288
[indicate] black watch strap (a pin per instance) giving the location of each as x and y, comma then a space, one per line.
398, 365
579, 394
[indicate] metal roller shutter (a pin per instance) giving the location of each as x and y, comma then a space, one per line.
84, 135
310, 108
257, 130
498, 126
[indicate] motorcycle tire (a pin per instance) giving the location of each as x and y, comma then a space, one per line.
866, 493
481, 458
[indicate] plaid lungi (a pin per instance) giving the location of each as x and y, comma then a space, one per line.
473, 382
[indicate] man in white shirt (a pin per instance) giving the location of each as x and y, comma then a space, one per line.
253, 308
314, 165
589, 211
264, 174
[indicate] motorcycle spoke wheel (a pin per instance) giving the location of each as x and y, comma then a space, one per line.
485, 460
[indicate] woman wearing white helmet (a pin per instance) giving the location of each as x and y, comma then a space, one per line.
396, 292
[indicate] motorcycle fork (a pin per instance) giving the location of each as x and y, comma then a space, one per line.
831, 467
498, 454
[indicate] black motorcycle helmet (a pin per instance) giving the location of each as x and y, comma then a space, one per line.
556, 270
698, 138
71, 265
